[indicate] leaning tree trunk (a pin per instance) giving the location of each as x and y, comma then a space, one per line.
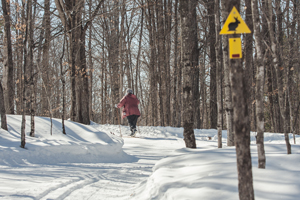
260, 82
187, 45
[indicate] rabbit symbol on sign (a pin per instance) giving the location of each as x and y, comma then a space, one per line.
233, 25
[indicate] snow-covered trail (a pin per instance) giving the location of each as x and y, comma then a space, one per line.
92, 162
87, 181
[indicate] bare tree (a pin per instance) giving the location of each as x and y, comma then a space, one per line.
71, 16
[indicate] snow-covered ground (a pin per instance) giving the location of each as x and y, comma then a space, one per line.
93, 162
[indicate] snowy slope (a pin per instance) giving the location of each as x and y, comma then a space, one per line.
81, 144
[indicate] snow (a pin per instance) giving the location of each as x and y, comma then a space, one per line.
93, 162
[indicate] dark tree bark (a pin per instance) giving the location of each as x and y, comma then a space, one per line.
2, 108
188, 32
212, 57
168, 29
62, 78
8, 67
196, 70
249, 71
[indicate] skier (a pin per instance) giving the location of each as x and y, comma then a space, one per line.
130, 110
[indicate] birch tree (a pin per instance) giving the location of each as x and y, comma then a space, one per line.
260, 82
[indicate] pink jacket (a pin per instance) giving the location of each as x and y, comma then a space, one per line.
130, 103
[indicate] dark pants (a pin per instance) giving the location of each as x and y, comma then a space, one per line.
132, 119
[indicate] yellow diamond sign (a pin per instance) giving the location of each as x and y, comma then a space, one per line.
234, 24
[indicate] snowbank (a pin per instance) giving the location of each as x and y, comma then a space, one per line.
81, 144
212, 174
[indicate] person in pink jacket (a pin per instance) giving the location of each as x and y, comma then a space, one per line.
130, 103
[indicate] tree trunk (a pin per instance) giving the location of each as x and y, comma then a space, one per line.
212, 56
19, 63
218, 48
114, 59
279, 76
228, 99
176, 69
241, 122
31, 68
152, 71
260, 82
249, 71
290, 70
90, 67
196, 69
188, 31
2, 108
46, 92
70, 13
84, 104
62, 78
8, 67
168, 29
161, 50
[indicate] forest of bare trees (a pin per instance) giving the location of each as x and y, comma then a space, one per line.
74, 59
